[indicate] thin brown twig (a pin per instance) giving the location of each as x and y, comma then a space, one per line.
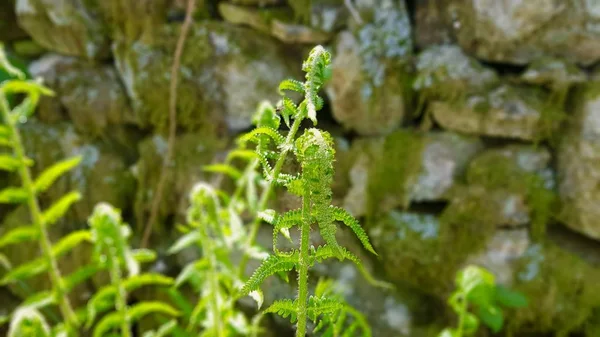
191, 5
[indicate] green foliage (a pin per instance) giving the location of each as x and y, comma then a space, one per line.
112, 252
214, 226
314, 152
477, 289
26, 320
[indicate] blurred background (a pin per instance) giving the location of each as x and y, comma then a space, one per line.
467, 131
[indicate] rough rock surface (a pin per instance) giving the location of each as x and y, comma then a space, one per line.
446, 72
92, 96
225, 72
424, 167
64, 27
368, 87
506, 112
520, 31
102, 175
192, 152
579, 165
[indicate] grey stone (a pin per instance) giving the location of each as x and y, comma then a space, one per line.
438, 160
64, 27
506, 112
91, 95
367, 90
520, 31
225, 72
579, 165
446, 72
444, 160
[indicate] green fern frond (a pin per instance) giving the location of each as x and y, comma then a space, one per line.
9, 163
323, 305
107, 323
7, 66
25, 271
28, 322
19, 235
103, 299
347, 219
271, 266
59, 208
224, 169
287, 108
80, 275
284, 308
72, 240
191, 270
316, 68
13, 195
142, 309
39, 300
266, 116
253, 136
184, 242
164, 330
291, 85
241, 154
51, 174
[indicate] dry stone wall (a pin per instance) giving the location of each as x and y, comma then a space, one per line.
467, 131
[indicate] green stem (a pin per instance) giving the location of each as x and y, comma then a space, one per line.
36, 216
206, 244
303, 263
264, 199
461, 319
120, 297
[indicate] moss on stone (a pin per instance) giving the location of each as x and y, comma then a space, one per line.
562, 290
394, 168
508, 169
192, 152
425, 251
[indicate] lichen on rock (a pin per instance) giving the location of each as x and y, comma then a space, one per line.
562, 291
92, 95
192, 152
64, 27
507, 111
225, 72
368, 90
522, 176
579, 164
520, 31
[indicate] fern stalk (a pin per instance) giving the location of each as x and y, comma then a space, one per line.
36, 217
116, 278
264, 199
213, 275
304, 264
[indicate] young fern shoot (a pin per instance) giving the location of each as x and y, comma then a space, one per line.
210, 227
113, 253
28, 194
314, 151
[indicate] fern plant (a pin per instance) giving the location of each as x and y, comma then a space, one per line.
112, 252
314, 151
476, 288
347, 321
27, 317
215, 229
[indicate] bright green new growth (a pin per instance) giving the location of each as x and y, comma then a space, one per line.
477, 289
314, 151
113, 253
216, 229
27, 320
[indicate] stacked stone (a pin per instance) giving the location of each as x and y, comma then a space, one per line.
467, 131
